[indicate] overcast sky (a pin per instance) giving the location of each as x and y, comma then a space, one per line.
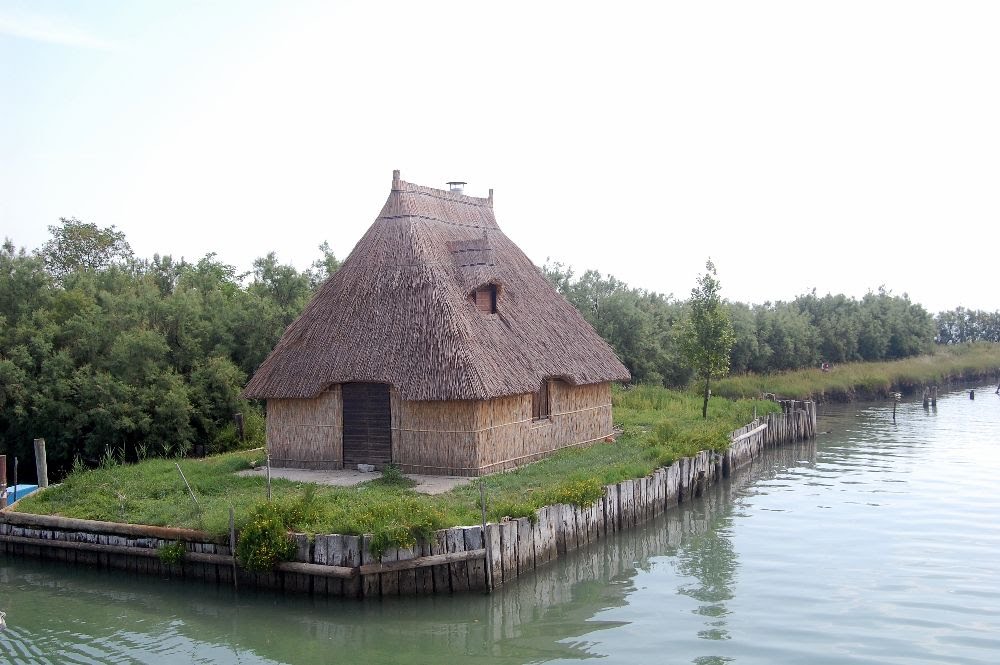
838, 145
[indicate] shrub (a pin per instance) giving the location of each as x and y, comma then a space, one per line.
263, 539
392, 476
172, 553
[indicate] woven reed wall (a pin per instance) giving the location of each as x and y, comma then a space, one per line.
435, 437
459, 437
509, 438
306, 433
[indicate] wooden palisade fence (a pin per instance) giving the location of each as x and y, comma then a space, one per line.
455, 560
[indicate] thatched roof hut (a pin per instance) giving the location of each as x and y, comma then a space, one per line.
440, 316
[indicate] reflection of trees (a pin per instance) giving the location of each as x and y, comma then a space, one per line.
709, 558
705, 552
543, 616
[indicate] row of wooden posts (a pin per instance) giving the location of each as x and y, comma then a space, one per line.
458, 559
41, 464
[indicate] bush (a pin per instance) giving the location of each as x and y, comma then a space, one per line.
172, 553
393, 477
263, 539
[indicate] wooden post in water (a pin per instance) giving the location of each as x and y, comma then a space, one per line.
972, 394
41, 463
927, 397
934, 396
486, 540
232, 545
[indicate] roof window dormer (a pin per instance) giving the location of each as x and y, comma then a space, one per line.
485, 298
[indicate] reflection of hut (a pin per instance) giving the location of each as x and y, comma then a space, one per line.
438, 346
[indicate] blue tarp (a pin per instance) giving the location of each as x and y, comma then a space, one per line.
18, 492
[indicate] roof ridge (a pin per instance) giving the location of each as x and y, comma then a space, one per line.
412, 188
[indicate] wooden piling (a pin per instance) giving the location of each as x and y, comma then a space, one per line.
41, 463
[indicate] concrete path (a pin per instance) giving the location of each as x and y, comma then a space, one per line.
350, 477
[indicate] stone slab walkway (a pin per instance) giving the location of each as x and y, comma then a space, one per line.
350, 477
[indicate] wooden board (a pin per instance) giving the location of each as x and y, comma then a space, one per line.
459, 572
476, 567
442, 579
349, 551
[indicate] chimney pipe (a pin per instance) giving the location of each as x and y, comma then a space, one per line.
457, 186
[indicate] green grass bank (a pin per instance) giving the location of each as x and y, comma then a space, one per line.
659, 426
870, 380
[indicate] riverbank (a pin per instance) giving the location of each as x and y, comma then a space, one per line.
449, 560
855, 381
658, 427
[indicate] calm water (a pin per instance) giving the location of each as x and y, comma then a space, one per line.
877, 543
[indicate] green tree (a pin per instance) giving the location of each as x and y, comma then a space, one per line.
707, 335
77, 245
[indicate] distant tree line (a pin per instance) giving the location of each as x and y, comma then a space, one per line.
961, 326
645, 327
103, 353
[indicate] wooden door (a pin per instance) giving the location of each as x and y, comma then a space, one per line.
367, 426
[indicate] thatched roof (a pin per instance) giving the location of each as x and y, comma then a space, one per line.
398, 312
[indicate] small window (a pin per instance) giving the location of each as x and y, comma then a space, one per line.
485, 299
541, 406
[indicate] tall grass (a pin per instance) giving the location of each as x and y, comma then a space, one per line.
844, 382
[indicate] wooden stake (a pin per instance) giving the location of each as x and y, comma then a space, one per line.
268, 462
186, 484
486, 539
232, 545
238, 419
41, 463
3, 481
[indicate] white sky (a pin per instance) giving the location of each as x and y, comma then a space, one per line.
837, 146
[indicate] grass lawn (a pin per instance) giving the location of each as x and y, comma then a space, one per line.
659, 427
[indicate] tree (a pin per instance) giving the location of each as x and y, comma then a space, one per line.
77, 245
324, 267
707, 335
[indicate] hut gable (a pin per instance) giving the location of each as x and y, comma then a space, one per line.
399, 312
